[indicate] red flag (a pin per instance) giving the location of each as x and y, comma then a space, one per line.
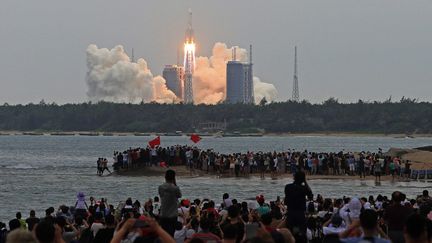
195, 138
153, 143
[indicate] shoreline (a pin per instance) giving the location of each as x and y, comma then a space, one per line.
183, 173
284, 134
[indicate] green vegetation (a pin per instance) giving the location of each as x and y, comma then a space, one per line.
406, 116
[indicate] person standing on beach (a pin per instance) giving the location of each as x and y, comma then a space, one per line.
361, 167
32, 220
104, 164
295, 200
169, 194
377, 169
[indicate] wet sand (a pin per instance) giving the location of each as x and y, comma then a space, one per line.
183, 172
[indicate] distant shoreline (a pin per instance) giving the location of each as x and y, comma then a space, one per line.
312, 134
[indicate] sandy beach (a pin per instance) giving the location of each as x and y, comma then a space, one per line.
183, 172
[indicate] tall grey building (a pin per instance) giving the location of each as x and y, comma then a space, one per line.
239, 83
239, 78
173, 74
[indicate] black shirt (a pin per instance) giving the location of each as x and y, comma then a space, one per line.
104, 235
295, 197
31, 222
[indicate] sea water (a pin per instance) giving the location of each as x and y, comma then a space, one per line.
37, 172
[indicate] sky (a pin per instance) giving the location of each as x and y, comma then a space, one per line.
348, 49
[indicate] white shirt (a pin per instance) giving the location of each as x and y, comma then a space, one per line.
153, 152
96, 227
156, 208
182, 211
180, 235
332, 230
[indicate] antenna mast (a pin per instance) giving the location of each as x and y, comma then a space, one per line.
295, 92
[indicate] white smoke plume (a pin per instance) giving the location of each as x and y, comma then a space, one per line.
262, 90
113, 77
210, 77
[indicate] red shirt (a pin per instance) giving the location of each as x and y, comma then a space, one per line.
214, 211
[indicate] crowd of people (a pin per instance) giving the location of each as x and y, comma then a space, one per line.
300, 216
243, 164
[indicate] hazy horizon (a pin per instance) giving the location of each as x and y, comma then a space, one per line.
349, 50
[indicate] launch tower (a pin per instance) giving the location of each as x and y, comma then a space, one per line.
189, 62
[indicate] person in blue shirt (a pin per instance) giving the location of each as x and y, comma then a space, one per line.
263, 207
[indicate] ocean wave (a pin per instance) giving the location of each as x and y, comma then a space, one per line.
20, 167
47, 167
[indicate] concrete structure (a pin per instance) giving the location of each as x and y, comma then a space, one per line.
173, 74
239, 78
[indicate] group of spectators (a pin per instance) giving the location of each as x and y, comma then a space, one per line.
298, 217
242, 164
102, 165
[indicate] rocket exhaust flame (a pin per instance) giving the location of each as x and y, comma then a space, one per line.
189, 49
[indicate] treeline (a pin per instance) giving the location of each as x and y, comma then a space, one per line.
405, 116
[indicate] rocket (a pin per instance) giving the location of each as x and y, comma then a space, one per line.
189, 30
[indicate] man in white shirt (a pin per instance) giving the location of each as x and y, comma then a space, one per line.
334, 227
97, 225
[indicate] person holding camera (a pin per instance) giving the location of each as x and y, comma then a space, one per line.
144, 229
